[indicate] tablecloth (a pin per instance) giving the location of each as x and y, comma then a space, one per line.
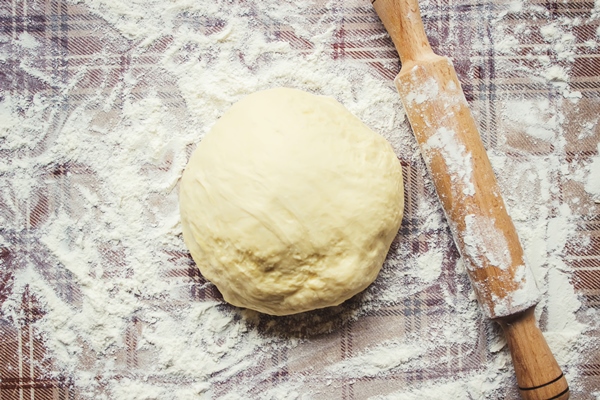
507, 54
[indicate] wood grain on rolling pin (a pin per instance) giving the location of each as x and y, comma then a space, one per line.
466, 185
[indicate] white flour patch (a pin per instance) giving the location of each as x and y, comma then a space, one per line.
429, 265
535, 118
458, 161
110, 240
382, 359
592, 182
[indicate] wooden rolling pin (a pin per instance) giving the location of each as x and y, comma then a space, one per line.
483, 231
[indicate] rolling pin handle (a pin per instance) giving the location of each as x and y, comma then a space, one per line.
402, 20
538, 374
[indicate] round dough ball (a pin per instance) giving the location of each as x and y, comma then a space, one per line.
290, 203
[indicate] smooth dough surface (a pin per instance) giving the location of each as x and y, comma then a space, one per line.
290, 203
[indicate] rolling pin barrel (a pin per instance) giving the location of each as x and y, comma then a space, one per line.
466, 185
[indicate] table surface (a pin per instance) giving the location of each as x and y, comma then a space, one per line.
70, 64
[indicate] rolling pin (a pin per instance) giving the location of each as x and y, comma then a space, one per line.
467, 188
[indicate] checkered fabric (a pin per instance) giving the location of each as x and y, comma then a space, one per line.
75, 38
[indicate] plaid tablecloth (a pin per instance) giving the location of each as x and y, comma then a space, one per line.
77, 38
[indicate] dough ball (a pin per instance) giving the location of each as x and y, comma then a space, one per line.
290, 203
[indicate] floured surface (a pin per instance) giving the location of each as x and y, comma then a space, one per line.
101, 104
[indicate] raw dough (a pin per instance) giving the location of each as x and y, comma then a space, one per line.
290, 203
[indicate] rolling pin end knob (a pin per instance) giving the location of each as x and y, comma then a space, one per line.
538, 374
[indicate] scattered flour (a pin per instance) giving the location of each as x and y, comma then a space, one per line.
484, 240
429, 265
110, 287
592, 183
535, 118
458, 160
385, 358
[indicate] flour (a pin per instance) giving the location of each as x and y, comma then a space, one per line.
481, 234
592, 182
385, 358
119, 320
458, 160
429, 265
535, 118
